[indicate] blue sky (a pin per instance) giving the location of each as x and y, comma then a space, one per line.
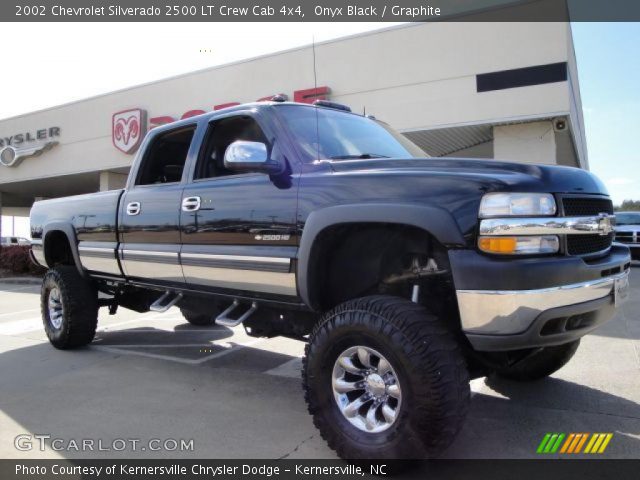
609, 74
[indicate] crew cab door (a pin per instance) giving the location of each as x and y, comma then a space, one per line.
150, 209
238, 228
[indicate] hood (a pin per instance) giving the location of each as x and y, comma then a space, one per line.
496, 175
627, 228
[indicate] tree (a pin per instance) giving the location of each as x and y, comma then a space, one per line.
629, 205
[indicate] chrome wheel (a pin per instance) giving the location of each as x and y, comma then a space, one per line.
55, 308
366, 389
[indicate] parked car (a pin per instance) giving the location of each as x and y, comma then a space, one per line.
8, 241
404, 275
628, 231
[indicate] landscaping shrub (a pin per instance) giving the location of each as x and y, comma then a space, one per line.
15, 259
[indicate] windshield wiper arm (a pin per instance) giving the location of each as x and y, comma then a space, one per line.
361, 155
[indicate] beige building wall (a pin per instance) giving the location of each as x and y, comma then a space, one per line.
420, 76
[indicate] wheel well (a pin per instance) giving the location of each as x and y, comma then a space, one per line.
57, 249
352, 260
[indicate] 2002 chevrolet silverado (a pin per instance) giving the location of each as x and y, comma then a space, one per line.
405, 275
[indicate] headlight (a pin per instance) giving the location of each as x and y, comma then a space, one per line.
519, 245
517, 205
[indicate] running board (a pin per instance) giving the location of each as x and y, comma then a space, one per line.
226, 321
165, 302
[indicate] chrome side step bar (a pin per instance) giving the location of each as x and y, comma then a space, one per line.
226, 321
165, 302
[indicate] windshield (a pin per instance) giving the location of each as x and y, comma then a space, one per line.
628, 218
331, 134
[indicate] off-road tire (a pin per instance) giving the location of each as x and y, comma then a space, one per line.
198, 319
79, 301
541, 363
429, 364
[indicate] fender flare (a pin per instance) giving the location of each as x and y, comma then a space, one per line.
70, 232
432, 219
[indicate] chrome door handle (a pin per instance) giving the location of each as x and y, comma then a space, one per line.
133, 208
191, 204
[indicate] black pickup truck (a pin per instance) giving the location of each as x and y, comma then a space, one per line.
405, 275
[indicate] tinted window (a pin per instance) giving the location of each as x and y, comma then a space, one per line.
165, 158
221, 134
331, 134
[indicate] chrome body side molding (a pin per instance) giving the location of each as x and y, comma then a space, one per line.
152, 261
99, 257
266, 274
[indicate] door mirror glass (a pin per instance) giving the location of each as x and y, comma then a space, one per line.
246, 156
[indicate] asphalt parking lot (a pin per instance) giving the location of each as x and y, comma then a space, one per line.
154, 376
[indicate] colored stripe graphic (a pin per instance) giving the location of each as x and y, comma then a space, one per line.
598, 442
594, 437
551, 443
582, 440
574, 442
567, 443
543, 443
555, 447
604, 445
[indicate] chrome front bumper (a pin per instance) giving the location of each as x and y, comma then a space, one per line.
510, 312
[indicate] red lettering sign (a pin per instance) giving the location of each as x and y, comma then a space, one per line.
308, 95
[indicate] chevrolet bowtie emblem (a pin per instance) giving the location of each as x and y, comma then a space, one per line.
11, 156
605, 225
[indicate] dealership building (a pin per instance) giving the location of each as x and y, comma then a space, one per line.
507, 91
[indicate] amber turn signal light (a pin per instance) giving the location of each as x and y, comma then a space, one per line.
498, 244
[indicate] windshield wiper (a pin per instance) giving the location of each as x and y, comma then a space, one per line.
361, 155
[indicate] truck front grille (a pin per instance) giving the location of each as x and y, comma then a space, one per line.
586, 244
627, 237
582, 207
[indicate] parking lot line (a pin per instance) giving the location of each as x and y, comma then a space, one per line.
19, 289
19, 312
17, 327
125, 351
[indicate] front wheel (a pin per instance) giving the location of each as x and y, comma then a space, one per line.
69, 306
384, 379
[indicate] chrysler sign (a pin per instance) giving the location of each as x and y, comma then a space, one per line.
15, 148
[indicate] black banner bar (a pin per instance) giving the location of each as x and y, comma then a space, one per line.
575, 468
319, 10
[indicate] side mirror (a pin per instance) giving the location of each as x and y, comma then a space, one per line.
245, 156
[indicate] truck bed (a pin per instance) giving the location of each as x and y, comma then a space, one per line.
89, 221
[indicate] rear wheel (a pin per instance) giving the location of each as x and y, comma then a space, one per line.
384, 379
197, 318
69, 306
541, 363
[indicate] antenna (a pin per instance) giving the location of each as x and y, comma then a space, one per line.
315, 86
315, 73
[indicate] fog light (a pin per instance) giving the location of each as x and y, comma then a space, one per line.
519, 245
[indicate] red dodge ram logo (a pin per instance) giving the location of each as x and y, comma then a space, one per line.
127, 129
